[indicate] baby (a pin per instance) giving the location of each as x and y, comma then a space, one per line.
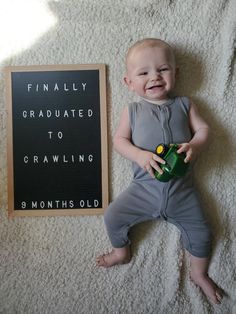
159, 118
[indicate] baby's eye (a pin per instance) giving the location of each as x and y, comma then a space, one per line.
164, 69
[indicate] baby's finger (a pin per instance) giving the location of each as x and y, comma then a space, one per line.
150, 170
158, 159
188, 157
183, 148
156, 166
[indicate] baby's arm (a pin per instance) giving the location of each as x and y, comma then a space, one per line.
123, 145
200, 137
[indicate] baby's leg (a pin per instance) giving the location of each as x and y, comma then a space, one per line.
117, 256
199, 274
130, 208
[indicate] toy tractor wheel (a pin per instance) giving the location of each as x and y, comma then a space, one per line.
161, 150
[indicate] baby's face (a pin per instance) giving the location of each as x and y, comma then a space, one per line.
151, 72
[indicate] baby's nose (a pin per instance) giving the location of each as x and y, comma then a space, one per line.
156, 76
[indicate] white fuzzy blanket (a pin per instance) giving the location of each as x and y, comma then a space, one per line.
47, 265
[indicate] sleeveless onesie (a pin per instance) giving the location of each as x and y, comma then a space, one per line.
147, 198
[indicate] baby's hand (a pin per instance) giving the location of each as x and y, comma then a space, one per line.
188, 149
149, 162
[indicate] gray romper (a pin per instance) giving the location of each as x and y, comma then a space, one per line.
147, 198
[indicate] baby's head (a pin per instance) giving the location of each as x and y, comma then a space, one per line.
149, 43
150, 61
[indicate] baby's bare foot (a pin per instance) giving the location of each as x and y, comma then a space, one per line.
115, 257
209, 288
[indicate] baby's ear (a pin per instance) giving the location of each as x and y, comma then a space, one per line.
127, 82
177, 71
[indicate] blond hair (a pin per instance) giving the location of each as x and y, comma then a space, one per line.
149, 42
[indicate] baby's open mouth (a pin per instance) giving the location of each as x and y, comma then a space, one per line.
155, 86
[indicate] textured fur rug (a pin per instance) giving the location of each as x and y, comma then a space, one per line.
47, 265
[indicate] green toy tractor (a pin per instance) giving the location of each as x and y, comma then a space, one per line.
174, 166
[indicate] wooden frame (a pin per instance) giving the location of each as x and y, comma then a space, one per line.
15, 125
